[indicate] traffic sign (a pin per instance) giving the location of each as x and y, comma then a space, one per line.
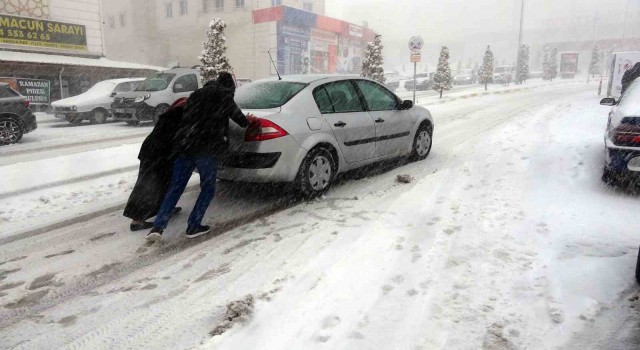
416, 43
415, 57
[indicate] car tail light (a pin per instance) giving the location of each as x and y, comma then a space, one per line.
26, 102
262, 130
627, 133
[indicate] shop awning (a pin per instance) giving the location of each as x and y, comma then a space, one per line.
30, 57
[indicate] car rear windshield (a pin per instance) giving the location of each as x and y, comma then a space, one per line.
156, 82
268, 94
6, 91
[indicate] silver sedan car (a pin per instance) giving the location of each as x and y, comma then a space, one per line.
313, 127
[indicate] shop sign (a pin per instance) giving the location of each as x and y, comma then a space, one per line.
356, 31
322, 36
42, 33
35, 90
287, 29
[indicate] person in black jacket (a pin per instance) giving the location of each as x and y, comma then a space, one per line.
201, 140
154, 176
629, 76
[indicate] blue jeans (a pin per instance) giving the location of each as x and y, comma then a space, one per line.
182, 169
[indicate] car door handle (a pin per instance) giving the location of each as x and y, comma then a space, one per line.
340, 124
379, 120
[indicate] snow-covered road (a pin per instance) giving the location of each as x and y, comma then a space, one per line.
505, 240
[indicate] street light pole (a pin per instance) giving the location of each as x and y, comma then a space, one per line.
624, 31
519, 81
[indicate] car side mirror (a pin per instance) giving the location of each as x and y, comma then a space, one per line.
608, 101
406, 104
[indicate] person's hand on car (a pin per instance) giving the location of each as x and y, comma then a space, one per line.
252, 118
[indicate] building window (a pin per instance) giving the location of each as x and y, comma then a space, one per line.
276, 2
112, 22
123, 19
183, 7
168, 10
307, 6
239, 4
219, 5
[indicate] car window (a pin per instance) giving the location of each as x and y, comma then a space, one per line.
344, 97
122, 87
377, 97
322, 100
156, 82
5, 91
266, 94
186, 83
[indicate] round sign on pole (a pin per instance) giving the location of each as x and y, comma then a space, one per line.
416, 43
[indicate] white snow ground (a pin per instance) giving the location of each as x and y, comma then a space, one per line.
506, 239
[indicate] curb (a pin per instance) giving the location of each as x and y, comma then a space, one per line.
484, 93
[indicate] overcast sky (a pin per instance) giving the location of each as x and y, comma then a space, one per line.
440, 21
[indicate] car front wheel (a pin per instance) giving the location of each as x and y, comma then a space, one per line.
10, 131
316, 173
422, 143
99, 117
160, 110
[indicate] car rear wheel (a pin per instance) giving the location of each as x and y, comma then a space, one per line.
316, 173
99, 117
422, 143
10, 131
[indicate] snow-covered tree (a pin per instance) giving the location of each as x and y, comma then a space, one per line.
485, 74
594, 66
214, 48
523, 64
373, 60
550, 64
443, 80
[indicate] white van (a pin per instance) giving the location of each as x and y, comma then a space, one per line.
155, 95
95, 103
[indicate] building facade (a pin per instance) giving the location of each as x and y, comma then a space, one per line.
297, 34
58, 46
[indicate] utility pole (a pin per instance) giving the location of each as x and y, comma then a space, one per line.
624, 32
519, 81
595, 25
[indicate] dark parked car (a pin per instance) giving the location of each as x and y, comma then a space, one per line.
16, 119
423, 82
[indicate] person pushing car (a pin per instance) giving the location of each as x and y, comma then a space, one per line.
200, 141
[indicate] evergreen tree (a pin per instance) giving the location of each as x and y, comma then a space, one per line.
372, 62
443, 80
550, 63
485, 74
213, 58
523, 64
553, 63
594, 67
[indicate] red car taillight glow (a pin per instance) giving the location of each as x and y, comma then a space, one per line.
626, 135
26, 103
263, 130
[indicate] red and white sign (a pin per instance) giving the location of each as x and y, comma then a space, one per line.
356, 31
415, 57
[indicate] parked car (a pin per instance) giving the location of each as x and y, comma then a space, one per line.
242, 81
424, 81
622, 138
155, 95
95, 103
313, 127
392, 80
504, 74
465, 76
16, 118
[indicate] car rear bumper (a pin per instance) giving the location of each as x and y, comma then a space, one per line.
266, 161
30, 122
622, 159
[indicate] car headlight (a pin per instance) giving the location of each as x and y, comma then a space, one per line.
142, 98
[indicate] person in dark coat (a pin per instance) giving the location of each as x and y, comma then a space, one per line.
156, 166
201, 140
629, 76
